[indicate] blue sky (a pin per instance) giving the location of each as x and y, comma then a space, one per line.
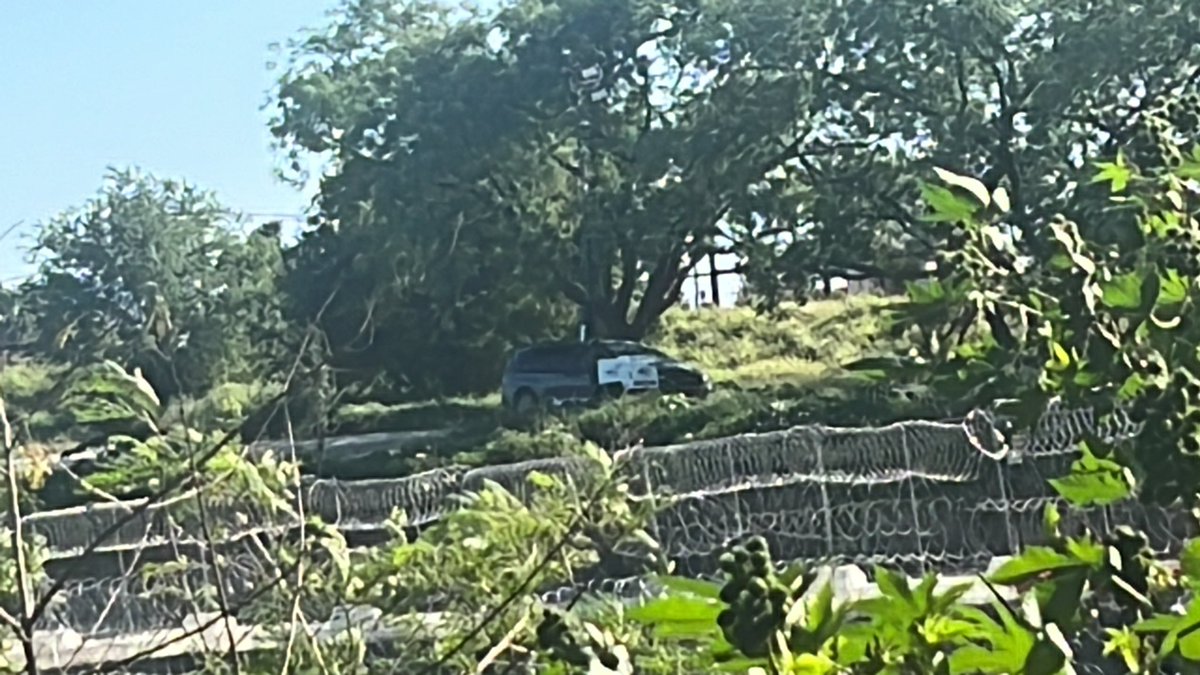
172, 86
175, 87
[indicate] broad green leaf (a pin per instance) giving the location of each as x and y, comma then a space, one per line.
1117, 174
1048, 655
1189, 560
1085, 550
893, 585
1034, 562
1094, 482
1173, 289
976, 659
939, 630
1188, 642
810, 664
1062, 602
1160, 623
542, 480
1122, 292
675, 608
946, 206
1186, 629
1133, 386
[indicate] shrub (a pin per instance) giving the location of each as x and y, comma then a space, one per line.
25, 386
662, 420
518, 446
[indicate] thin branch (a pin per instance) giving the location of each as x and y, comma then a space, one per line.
24, 589
501, 646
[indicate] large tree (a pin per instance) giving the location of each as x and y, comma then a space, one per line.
1021, 93
590, 150
596, 149
155, 274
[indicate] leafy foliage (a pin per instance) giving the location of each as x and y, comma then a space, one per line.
150, 274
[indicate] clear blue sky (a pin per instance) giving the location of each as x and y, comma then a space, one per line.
172, 86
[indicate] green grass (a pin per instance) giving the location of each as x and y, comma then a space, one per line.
360, 418
772, 371
794, 345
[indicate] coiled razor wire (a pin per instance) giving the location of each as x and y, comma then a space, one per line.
924, 452
915, 495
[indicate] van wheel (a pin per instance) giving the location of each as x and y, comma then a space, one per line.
525, 404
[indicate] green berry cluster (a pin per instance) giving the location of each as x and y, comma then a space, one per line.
758, 600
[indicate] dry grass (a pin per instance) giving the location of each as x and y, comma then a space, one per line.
796, 345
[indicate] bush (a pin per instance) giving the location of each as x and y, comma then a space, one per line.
663, 420
518, 446
230, 403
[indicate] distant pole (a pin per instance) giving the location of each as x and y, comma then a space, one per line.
714, 283
585, 252
695, 288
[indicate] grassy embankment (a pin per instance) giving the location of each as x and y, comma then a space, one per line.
771, 371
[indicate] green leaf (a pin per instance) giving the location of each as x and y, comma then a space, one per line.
1117, 174
926, 292
893, 585
1034, 562
542, 480
1051, 518
1094, 482
675, 609
1048, 655
1122, 292
1173, 289
946, 206
1060, 360
1184, 636
1189, 560
1159, 623
1063, 601
976, 659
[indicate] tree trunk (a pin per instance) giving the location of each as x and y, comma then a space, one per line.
607, 322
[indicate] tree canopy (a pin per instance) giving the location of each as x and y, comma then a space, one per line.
153, 274
591, 152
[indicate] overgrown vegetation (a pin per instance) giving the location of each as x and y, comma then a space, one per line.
1028, 169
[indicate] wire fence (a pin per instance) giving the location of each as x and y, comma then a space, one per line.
917, 495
